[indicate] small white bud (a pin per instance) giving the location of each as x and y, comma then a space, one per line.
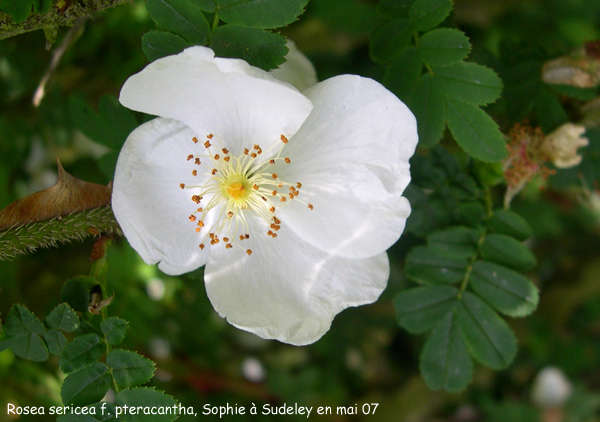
551, 388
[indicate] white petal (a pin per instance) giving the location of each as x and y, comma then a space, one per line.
239, 104
288, 290
297, 70
148, 202
351, 155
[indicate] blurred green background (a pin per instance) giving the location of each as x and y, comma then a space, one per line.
365, 357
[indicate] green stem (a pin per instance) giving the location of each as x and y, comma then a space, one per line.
215, 21
98, 272
489, 213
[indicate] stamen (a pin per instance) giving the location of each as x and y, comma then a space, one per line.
284, 139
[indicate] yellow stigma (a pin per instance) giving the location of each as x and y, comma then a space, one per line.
236, 190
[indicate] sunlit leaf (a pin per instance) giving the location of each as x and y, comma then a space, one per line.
506, 250
182, 17
421, 308
475, 131
444, 46
455, 242
489, 338
426, 14
509, 223
508, 291
129, 368
114, 328
86, 386
430, 110
445, 361
428, 266
260, 13
83, 351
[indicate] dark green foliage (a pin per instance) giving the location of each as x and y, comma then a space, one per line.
86, 386
129, 368
450, 91
479, 255
19, 10
258, 47
114, 329
81, 352
181, 17
25, 332
257, 13
158, 44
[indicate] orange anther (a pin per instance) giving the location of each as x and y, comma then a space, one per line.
310, 207
249, 251
190, 157
182, 185
195, 140
201, 245
209, 136
287, 160
284, 139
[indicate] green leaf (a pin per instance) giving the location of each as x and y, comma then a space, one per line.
394, 9
469, 82
444, 46
55, 340
475, 131
5, 341
550, 111
81, 352
390, 40
508, 291
129, 368
86, 386
489, 338
402, 73
103, 412
260, 13
508, 251
20, 320
146, 397
428, 266
421, 308
258, 47
429, 108
18, 10
76, 294
63, 318
445, 361
158, 44
455, 242
584, 94
110, 126
426, 14
24, 330
115, 329
509, 223
42, 6
207, 5
182, 17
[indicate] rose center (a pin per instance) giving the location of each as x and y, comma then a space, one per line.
235, 185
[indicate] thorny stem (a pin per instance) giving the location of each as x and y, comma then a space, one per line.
52, 20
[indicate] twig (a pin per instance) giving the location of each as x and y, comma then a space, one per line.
69, 38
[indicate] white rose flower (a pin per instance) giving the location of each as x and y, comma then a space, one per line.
290, 200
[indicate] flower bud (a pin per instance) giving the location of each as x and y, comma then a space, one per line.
551, 388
